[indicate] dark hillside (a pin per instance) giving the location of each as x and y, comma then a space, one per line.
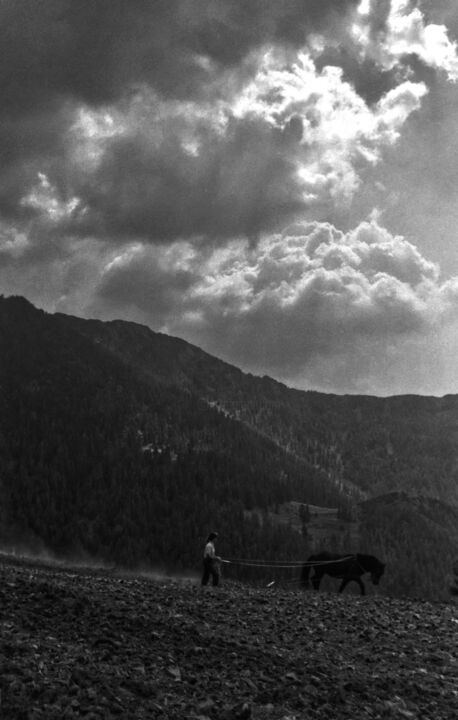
418, 537
367, 445
96, 460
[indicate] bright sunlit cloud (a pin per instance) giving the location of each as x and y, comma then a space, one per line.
405, 33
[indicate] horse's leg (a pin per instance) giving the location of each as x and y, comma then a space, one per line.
316, 579
305, 576
358, 580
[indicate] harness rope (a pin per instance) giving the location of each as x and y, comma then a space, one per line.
291, 564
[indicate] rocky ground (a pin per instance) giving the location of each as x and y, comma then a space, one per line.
80, 643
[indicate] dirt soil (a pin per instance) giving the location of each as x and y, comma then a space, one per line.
81, 643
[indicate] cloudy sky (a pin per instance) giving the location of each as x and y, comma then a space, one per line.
275, 181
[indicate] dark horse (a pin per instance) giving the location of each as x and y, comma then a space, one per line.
345, 567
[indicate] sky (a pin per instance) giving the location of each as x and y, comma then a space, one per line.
275, 181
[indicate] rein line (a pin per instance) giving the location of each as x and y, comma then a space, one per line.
291, 564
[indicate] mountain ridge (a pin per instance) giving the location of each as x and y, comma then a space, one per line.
230, 387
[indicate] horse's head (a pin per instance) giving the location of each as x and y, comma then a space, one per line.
377, 571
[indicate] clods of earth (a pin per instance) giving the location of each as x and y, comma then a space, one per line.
81, 643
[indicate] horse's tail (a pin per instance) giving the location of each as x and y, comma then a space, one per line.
305, 576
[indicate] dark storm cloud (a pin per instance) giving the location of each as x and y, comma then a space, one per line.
95, 51
29, 144
56, 54
240, 184
62, 55
154, 287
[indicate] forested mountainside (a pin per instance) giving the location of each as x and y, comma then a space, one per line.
368, 445
128, 445
95, 458
418, 539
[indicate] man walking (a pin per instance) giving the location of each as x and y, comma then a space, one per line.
211, 561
